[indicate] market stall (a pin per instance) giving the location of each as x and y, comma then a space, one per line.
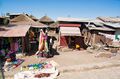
45, 70
13, 41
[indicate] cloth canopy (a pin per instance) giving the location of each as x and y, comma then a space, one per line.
70, 31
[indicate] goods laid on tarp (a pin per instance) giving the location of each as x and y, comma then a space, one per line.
45, 70
9, 65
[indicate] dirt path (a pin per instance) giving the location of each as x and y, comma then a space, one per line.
64, 59
107, 73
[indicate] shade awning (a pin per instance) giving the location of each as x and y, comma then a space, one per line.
70, 31
39, 26
2, 33
16, 31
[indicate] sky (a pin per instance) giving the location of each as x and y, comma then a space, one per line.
62, 8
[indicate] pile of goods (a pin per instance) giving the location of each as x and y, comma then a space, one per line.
46, 70
36, 66
42, 75
9, 64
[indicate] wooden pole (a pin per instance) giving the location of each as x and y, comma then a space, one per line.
23, 45
1, 71
59, 37
94, 38
27, 43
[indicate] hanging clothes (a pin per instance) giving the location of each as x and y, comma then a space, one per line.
43, 44
41, 41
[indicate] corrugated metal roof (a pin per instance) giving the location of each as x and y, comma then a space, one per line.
70, 19
110, 19
115, 25
69, 25
70, 31
15, 13
16, 31
78, 19
101, 29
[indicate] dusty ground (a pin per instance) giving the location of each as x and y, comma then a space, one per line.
64, 59
107, 73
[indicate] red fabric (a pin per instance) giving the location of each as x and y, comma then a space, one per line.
69, 25
63, 41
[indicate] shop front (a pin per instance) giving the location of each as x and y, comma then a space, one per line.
14, 40
70, 37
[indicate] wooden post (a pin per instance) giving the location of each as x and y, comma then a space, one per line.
94, 38
27, 43
23, 45
1, 71
0, 43
59, 37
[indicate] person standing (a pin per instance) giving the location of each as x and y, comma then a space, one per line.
50, 46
